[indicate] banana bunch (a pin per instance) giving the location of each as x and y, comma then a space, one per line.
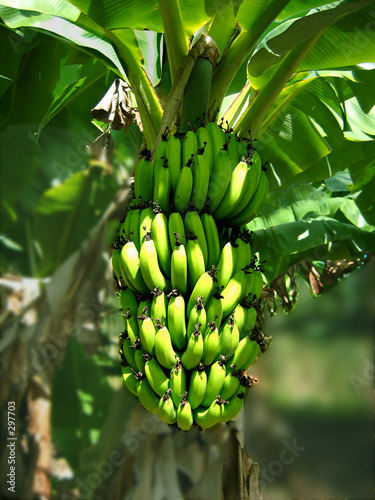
188, 290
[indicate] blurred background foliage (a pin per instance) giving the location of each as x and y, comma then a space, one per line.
81, 434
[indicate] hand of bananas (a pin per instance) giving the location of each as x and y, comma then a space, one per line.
187, 287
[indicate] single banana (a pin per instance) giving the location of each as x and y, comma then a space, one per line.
162, 189
159, 306
147, 334
139, 358
128, 301
250, 320
235, 190
135, 228
232, 150
234, 292
255, 205
189, 146
211, 416
194, 350
164, 351
184, 416
214, 309
204, 142
217, 136
129, 379
201, 179
177, 382
243, 253
212, 238
125, 226
240, 317
144, 307
233, 407
251, 182
228, 339
197, 316
175, 225
156, 377
203, 288
195, 260
246, 352
152, 275
147, 396
159, 233
128, 351
226, 265
131, 325
220, 178
194, 224
210, 343
116, 263
173, 154
176, 319
145, 222
197, 386
167, 411
179, 266
184, 188
144, 170
160, 153
215, 382
230, 386
131, 266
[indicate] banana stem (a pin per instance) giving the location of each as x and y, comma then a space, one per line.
148, 103
174, 33
240, 49
261, 104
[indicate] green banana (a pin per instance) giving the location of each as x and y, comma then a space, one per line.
197, 316
175, 225
246, 352
240, 316
129, 379
156, 377
233, 407
235, 190
243, 253
254, 206
201, 179
145, 222
212, 238
144, 307
135, 228
217, 136
189, 146
179, 266
176, 319
152, 275
211, 416
232, 150
184, 416
160, 153
128, 351
162, 189
173, 154
159, 233
164, 351
159, 306
210, 343
250, 320
230, 386
197, 386
193, 224
234, 292
131, 325
139, 358
147, 396
215, 382
203, 288
144, 170
131, 266
228, 339
128, 301
220, 178
184, 188
214, 309
204, 142
194, 350
251, 181
226, 265
147, 334
195, 260
177, 382
125, 226
115, 263
166, 411
257, 284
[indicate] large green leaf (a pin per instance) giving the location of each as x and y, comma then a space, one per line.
80, 398
308, 229
67, 212
60, 8
338, 43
